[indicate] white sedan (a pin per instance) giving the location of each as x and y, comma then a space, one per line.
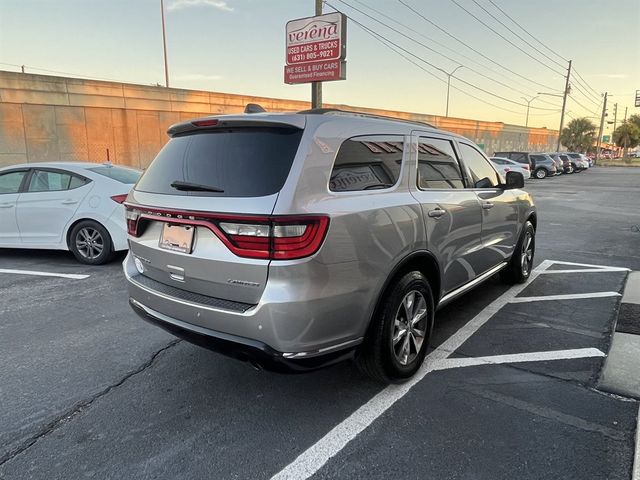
505, 165
66, 206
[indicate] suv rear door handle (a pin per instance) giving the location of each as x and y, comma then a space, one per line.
487, 205
436, 212
6, 205
69, 202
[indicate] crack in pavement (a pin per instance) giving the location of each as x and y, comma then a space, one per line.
80, 407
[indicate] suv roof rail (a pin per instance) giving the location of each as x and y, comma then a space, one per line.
337, 111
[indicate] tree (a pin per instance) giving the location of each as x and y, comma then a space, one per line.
579, 135
627, 135
635, 119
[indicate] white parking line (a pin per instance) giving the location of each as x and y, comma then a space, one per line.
73, 276
587, 270
604, 268
571, 296
519, 358
312, 459
635, 475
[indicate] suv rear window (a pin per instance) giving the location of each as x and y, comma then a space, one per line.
242, 162
128, 176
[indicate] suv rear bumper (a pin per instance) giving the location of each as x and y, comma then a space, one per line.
256, 353
274, 334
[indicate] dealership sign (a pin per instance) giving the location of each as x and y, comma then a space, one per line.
316, 49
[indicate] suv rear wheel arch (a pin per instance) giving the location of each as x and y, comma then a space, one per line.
422, 261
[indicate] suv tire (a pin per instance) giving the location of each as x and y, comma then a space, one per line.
398, 339
540, 173
519, 268
90, 243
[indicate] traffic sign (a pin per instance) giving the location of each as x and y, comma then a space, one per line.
606, 138
637, 98
316, 48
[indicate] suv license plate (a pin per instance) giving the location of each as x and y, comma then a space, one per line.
178, 238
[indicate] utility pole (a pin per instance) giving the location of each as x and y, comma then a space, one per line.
564, 104
625, 113
316, 87
164, 44
615, 116
449, 75
604, 114
526, 123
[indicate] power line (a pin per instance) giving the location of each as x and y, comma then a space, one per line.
598, 94
478, 52
587, 96
385, 41
517, 35
507, 40
582, 105
438, 53
527, 32
406, 27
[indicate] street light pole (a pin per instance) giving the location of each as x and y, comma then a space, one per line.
526, 123
164, 45
564, 104
449, 75
316, 87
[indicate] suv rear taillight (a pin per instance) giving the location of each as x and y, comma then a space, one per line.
282, 237
526, 167
132, 215
275, 238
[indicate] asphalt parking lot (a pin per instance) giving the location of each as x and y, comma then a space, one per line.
88, 390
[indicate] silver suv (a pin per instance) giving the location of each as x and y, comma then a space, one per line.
294, 241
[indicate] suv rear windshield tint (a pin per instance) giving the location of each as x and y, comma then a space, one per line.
242, 162
122, 175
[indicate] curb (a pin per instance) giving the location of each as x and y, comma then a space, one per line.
621, 372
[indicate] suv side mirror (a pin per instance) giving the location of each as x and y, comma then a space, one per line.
514, 180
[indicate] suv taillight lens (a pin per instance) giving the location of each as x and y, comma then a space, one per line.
132, 216
526, 167
275, 238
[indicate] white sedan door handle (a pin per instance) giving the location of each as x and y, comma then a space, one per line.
6, 205
69, 202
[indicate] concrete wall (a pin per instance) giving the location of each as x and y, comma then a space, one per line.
47, 118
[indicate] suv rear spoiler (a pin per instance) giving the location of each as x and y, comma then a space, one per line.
246, 120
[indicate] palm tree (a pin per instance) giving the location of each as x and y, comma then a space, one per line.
579, 134
635, 119
627, 135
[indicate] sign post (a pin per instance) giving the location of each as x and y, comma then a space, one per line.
315, 52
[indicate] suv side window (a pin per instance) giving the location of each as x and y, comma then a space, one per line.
367, 163
437, 165
50, 181
10, 182
482, 173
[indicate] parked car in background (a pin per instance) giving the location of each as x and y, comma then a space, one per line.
252, 237
66, 206
584, 161
559, 164
564, 162
541, 165
505, 165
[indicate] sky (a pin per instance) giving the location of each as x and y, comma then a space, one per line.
238, 46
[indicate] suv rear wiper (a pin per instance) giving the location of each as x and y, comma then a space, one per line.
194, 187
